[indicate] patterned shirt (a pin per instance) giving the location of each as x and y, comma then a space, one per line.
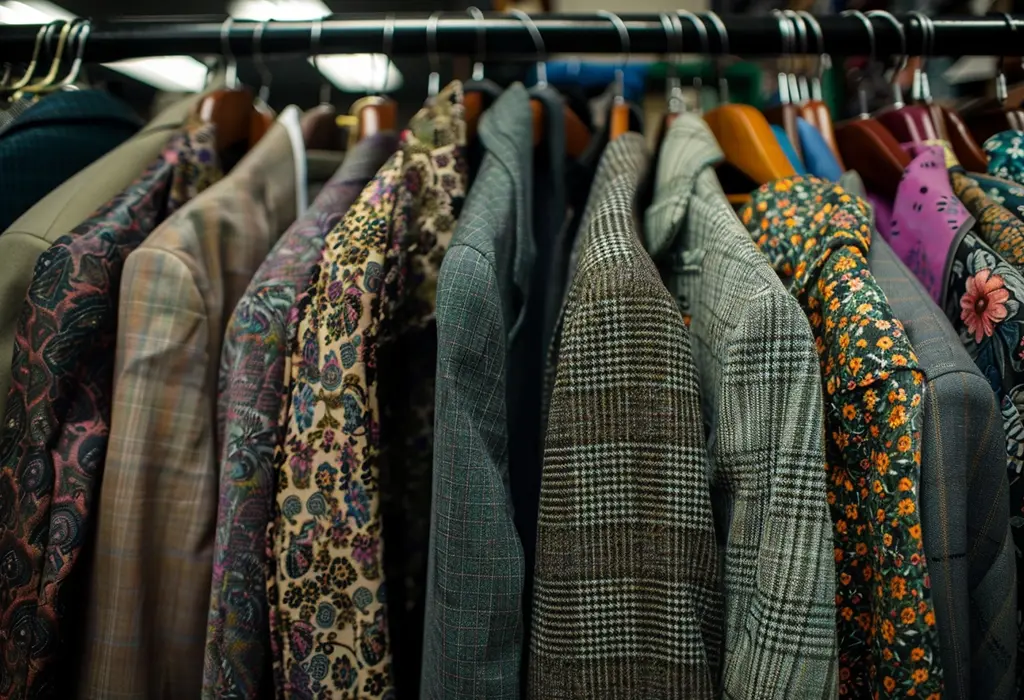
370, 297
816, 236
249, 406
1005, 153
57, 422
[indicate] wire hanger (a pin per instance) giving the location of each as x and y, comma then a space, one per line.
619, 119
866, 145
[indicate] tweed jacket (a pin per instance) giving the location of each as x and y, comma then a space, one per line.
154, 553
761, 392
628, 600
816, 236
250, 397
54, 437
473, 627
66, 207
53, 140
964, 496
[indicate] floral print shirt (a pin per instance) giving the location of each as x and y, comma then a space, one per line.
375, 282
1005, 153
250, 395
54, 437
816, 236
1005, 193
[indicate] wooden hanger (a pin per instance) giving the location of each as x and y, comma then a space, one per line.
872, 151
749, 143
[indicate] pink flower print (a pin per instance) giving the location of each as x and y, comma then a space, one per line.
983, 304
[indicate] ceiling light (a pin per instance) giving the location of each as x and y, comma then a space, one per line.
360, 72
283, 10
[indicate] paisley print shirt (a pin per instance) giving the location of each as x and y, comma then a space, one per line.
1005, 153
54, 436
328, 578
250, 397
1005, 193
816, 236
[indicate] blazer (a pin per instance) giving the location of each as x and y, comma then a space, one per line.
628, 601
763, 409
53, 140
66, 207
964, 491
473, 625
250, 399
154, 545
53, 441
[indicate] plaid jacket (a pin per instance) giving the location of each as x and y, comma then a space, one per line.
473, 637
761, 392
251, 394
628, 600
154, 552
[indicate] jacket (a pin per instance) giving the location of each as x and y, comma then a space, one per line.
154, 547
475, 575
627, 595
67, 206
761, 393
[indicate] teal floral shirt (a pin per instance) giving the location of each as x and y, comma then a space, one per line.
1005, 153
816, 236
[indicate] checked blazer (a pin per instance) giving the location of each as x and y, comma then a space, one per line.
475, 576
627, 596
158, 501
761, 392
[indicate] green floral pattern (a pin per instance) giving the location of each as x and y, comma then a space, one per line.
1005, 153
816, 235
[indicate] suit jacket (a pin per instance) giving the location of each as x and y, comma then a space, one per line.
473, 637
58, 417
53, 140
628, 601
761, 391
66, 207
251, 394
964, 492
151, 579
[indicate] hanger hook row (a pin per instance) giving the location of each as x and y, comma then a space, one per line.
538, 44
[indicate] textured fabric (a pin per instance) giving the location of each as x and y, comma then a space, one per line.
926, 219
997, 226
54, 439
819, 158
374, 283
628, 600
761, 393
816, 236
53, 140
1005, 193
150, 589
473, 635
964, 496
1005, 153
251, 391
64, 208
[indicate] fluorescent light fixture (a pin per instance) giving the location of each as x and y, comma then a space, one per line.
171, 73
283, 10
360, 72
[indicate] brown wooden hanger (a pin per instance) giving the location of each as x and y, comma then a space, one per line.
872, 151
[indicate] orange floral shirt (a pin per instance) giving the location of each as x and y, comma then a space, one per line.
816, 235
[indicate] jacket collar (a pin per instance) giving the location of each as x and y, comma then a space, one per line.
688, 153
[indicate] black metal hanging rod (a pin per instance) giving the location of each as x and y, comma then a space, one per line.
505, 36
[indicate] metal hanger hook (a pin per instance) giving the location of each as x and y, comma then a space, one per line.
80, 37
387, 46
481, 42
231, 65
862, 95
702, 34
674, 44
785, 89
897, 91
620, 72
538, 44
723, 38
824, 60
31, 68
316, 30
800, 28
434, 79
921, 84
266, 77
1002, 92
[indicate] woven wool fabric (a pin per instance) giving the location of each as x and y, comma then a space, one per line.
53, 445
628, 601
150, 591
762, 402
327, 585
816, 236
251, 393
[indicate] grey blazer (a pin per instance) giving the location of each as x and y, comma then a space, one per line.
627, 597
473, 627
761, 390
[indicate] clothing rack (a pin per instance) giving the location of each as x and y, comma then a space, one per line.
506, 36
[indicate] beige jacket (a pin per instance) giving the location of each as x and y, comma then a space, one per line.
65, 208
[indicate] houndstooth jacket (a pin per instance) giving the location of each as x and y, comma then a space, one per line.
627, 597
761, 389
